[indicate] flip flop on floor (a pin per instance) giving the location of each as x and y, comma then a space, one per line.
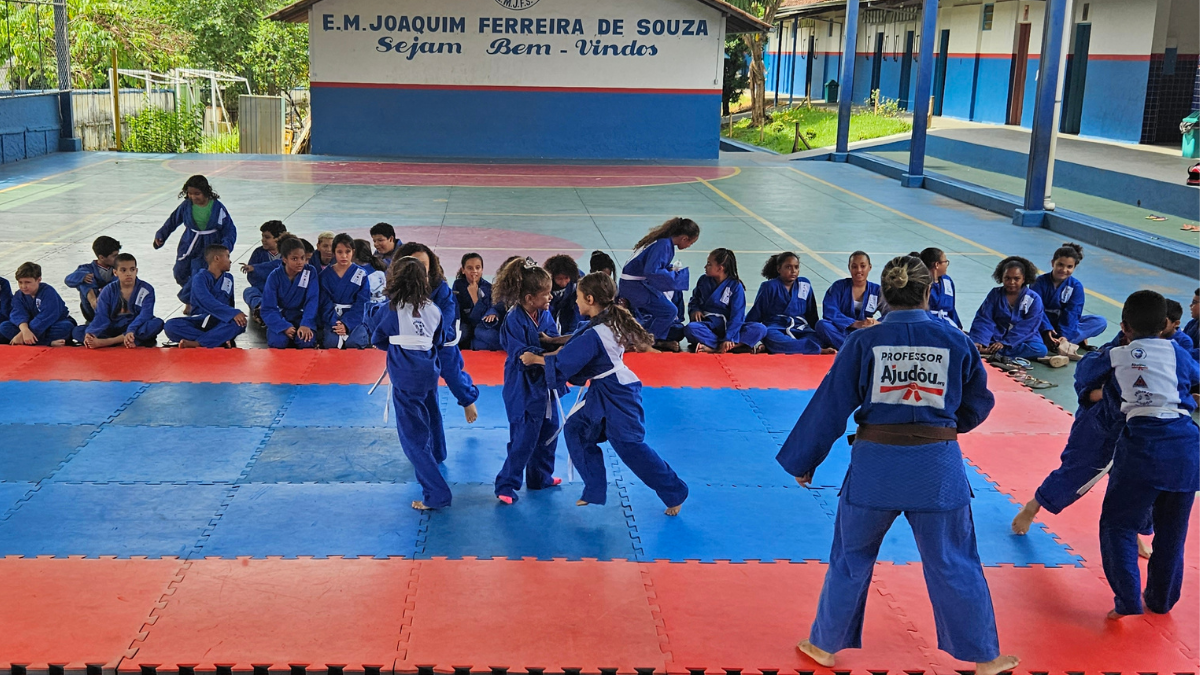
1024, 363
1157, 219
1188, 227
1034, 383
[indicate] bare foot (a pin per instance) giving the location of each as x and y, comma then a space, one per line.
705, 349
760, 348
829, 350
1115, 616
815, 653
420, 506
188, 344
58, 343
1144, 549
997, 665
581, 503
674, 510
1020, 524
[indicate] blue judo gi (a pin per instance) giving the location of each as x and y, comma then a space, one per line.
1063, 309
291, 303
189, 255
789, 314
450, 358
1155, 472
610, 408
839, 310
46, 314
723, 306
941, 301
264, 262
487, 334
117, 316
318, 264
6, 299
101, 277
650, 285
532, 407
1192, 330
211, 322
470, 312
344, 299
564, 309
910, 369
411, 341
1181, 338
1017, 328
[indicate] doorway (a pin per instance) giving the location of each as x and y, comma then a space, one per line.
906, 70
939, 73
1076, 79
1016, 82
877, 65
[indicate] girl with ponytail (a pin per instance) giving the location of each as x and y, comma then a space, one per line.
718, 309
651, 279
611, 406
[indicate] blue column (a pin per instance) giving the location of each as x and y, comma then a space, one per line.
916, 153
1034, 211
846, 85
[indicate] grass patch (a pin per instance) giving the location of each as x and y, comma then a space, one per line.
819, 127
221, 143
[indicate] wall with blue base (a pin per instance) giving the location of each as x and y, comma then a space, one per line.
29, 126
1112, 110
514, 124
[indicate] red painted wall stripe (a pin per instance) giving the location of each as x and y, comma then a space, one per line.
476, 87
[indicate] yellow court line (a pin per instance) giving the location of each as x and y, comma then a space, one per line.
53, 175
795, 242
992, 251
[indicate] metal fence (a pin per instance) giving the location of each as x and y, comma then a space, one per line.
34, 46
93, 112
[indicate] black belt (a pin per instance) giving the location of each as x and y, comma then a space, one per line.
903, 434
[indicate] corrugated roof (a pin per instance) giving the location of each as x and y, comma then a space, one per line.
738, 21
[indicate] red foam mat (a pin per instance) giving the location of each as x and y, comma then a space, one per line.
76, 612
12, 358
1025, 413
679, 370
244, 613
998, 380
1017, 463
529, 614
771, 371
751, 616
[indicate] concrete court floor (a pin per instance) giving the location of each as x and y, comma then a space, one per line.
51, 208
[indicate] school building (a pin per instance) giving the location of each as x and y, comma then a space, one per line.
1131, 72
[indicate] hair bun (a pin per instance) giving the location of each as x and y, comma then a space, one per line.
898, 277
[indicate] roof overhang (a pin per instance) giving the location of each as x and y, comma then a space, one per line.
839, 7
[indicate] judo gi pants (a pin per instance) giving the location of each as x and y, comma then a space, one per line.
60, 330
279, 340
437, 428
1034, 349
630, 446
531, 449
486, 337
1090, 326
1127, 505
356, 339
700, 333
190, 328
253, 297
830, 335
777, 341
146, 336
415, 430
962, 603
653, 310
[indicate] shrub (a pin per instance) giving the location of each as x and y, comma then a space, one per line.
154, 130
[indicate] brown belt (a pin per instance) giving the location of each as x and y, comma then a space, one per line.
903, 434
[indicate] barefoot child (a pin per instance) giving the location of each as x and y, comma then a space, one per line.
473, 295
124, 312
90, 278
205, 221
345, 294
786, 306
850, 304
718, 309
38, 315
1065, 327
565, 272
291, 299
611, 406
410, 328
263, 261
1011, 315
213, 322
532, 407
651, 280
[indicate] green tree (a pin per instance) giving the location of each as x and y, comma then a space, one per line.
757, 44
220, 30
277, 58
736, 77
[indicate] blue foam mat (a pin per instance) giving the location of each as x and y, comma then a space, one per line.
13, 492
34, 451
779, 408
339, 519
718, 457
490, 406
340, 455
476, 455
164, 454
699, 409
63, 402
337, 405
207, 405
65, 519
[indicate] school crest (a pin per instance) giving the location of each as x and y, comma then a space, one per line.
915, 376
516, 5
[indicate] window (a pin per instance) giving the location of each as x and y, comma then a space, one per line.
830, 29
1087, 10
1169, 58
988, 11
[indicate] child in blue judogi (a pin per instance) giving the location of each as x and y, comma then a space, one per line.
611, 405
365, 258
383, 235
323, 256
487, 331
786, 305
942, 292
1062, 296
213, 322
345, 293
1173, 331
410, 328
1156, 465
91, 278
718, 309
565, 273
1192, 329
532, 407
850, 304
473, 296
6, 298
205, 221
651, 280
124, 312
263, 261
291, 299
1010, 318
38, 315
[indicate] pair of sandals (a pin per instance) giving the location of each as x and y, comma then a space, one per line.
1017, 369
1188, 227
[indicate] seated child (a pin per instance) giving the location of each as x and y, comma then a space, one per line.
1192, 329
1065, 327
38, 315
263, 261
565, 272
323, 256
1156, 465
1010, 317
718, 309
90, 278
651, 280
942, 292
487, 331
850, 304
345, 293
1173, 332
602, 262
473, 296
6, 298
291, 300
124, 314
786, 306
384, 237
213, 322
376, 278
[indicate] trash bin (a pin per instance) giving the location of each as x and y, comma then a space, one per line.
831, 91
1190, 128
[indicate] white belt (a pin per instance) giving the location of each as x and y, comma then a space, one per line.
340, 309
630, 277
412, 342
792, 324
192, 246
1155, 411
457, 334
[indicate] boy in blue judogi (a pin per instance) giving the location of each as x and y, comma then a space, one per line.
651, 280
850, 304
38, 315
1156, 466
565, 273
718, 309
1173, 331
124, 312
90, 278
213, 322
383, 236
1062, 301
205, 221
1192, 329
345, 294
785, 304
263, 261
1009, 321
291, 299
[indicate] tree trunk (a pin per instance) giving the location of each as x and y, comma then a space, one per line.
758, 44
